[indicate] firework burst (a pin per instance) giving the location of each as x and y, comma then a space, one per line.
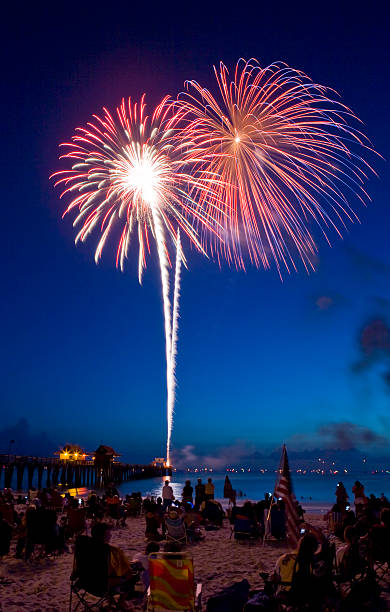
284, 152
130, 172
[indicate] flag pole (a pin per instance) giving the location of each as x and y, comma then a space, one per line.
284, 490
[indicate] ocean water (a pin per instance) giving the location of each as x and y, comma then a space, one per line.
308, 488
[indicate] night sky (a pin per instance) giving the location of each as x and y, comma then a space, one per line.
260, 361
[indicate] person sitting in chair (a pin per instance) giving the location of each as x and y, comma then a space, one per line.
153, 522
121, 577
142, 560
5, 536
378, 539
348, 558
192, 523
302, 574
212, 511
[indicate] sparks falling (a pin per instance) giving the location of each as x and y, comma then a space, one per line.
129, 172
287, 160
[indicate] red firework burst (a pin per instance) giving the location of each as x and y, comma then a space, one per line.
286, 157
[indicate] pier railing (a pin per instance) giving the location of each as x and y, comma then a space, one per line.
52, 471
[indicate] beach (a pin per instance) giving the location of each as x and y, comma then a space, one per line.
219, 561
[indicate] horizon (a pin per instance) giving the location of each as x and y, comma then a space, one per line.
30, 443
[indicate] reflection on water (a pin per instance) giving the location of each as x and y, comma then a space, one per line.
153, 486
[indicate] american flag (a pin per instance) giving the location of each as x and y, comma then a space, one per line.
283, 489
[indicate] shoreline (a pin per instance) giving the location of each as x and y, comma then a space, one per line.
310, 506
320, 507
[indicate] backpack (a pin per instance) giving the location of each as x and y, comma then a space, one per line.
230, 599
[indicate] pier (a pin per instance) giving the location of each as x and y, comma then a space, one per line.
19, 473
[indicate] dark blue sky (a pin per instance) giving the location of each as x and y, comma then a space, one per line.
260, 361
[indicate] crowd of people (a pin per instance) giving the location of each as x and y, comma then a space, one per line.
367, 512
306, 578
188, 513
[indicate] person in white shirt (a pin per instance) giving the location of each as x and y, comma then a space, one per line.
167, 495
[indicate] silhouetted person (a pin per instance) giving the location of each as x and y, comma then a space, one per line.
199, 494
187, 492
209, 489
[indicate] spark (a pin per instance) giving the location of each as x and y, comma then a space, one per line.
130, 172
287, 159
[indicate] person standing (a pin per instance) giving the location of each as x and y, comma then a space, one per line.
209, 489
341, 496
199, 494
187, 492
167, 495
360, 498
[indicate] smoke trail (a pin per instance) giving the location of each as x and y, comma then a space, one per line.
175, 327
164, 269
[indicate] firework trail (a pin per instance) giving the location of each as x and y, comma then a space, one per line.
164, 269
175, 328
284, 152
130, 172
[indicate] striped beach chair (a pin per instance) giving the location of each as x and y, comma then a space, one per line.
172, 585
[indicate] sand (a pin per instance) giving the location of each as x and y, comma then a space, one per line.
219, 561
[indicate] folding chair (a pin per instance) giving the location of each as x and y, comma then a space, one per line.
350, 581
41, 532
76, 520
335, 521
8, 513
133, 506
176, 531
244, 530
89, 579
213, 512
32, 495
378, 551
5, 537
172, 585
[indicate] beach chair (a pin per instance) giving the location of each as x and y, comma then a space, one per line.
5, 537
176, 531
172, 585
7, 511
244, 530
213, 513
378, 551
57, 502
335, 522
32, 494
42, 536
355, 582
76, 520
89, 579
134, 506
